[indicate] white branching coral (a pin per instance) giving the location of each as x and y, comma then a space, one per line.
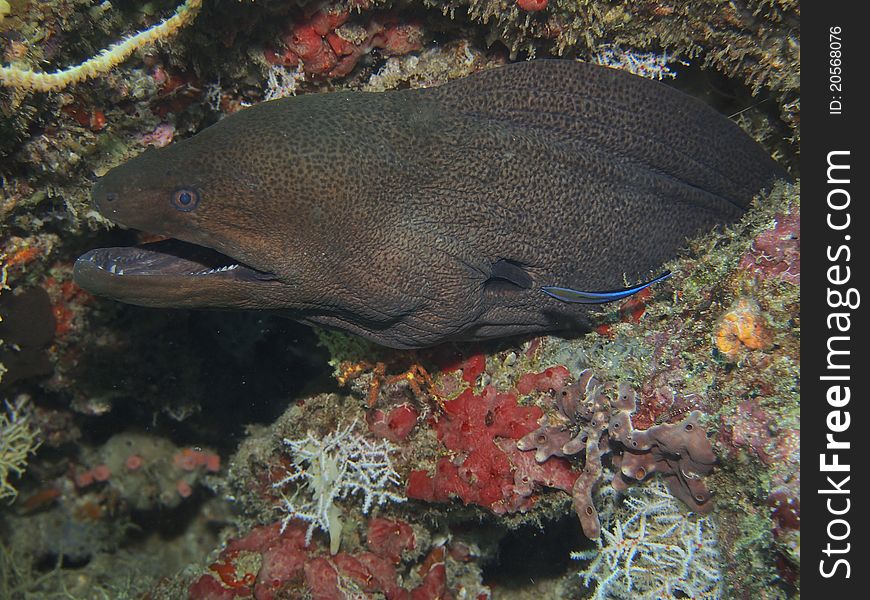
645, 64
331, 468
651, 550
281, 83
18, 440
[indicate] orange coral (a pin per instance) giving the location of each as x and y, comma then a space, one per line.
743, 326
22, 256
348, 371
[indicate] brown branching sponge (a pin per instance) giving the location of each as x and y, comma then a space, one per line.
105, 61
588, 420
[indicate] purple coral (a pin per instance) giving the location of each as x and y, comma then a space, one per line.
588, 419
776, 252
681, 452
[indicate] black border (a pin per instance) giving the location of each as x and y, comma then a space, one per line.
823, 132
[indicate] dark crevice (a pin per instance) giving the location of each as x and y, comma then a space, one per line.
533, 553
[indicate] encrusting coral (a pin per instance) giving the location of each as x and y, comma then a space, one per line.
742, 328
146, 471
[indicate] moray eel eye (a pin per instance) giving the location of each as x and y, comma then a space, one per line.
184, 199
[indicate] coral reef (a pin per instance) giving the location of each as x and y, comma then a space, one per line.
147, 471
326, 44
382, 553
484, 432
273, 562
479, 438
750, 402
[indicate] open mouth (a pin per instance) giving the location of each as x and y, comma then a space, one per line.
170, 257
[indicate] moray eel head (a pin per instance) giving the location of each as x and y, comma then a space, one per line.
206, 260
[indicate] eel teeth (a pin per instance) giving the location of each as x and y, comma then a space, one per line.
216, 270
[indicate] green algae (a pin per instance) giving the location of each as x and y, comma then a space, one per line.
673, 346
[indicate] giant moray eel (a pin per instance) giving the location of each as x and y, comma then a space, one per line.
417, 216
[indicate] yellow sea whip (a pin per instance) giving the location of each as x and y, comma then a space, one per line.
103, 62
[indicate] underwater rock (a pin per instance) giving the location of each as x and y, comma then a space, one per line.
147, 471
27, 329
271, 563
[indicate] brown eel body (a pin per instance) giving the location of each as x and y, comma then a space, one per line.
418, 216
